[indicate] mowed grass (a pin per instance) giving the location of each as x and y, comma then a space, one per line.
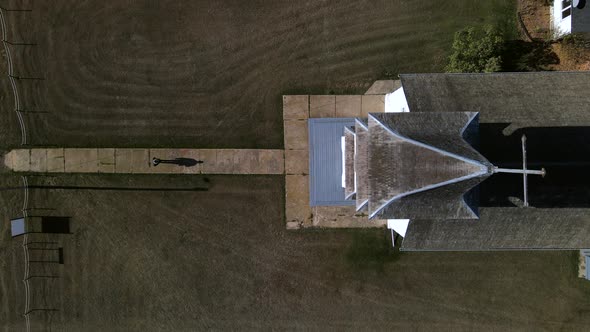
222, 259
211, 74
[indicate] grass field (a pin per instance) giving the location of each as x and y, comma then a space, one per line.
211, 74
189, 260
207, 74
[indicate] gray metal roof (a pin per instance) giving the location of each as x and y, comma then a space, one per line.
325, 161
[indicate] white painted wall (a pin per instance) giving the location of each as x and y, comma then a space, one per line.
396, 102
561, 27
398, 225
343, 148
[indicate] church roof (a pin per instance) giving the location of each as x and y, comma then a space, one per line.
421, 166
349, 137
503, 229
360, 163
527, 99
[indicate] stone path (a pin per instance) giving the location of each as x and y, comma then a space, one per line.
111, 160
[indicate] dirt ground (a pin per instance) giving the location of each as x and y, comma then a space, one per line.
573, 54
148, 253
536, 17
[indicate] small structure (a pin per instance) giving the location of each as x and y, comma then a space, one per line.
412, 158
326, 166
42, 224
569, 16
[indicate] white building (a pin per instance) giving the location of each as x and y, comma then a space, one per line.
569, 16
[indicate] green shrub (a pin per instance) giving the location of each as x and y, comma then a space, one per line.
476, 50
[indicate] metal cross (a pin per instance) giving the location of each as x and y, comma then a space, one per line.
524, 171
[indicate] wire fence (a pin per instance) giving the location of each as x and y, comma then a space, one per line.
12, 76
26, 254
41, 273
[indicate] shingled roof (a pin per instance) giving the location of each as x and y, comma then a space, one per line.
421, 166
349, 138
522, 98
360, 164
503, 229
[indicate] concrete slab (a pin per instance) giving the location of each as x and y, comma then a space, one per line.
55, 161
110, 160
383, 87
106, 160
342, 217
132, 161
295, 107
38, 160
322, 106
297, 209
272, 161
225, 161
582, 264
81, 160
19, 160
372, 104
293, 225
209, 158
297, 162
247, 161
348, 106
296, 134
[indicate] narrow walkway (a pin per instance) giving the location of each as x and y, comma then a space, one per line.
138, 161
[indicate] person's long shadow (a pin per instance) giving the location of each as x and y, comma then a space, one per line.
186, 162
563, 151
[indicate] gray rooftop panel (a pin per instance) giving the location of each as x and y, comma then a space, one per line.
538, 99
17, 226
325, 161
503, 229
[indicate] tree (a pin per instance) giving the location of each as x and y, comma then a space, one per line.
476, 50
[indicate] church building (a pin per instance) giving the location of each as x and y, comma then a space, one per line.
465, 162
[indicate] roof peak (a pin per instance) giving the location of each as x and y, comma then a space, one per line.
403, 162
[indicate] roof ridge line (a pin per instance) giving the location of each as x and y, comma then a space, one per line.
428, 187
467, 205
363, 203
468, 123
359, 122
429, 147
